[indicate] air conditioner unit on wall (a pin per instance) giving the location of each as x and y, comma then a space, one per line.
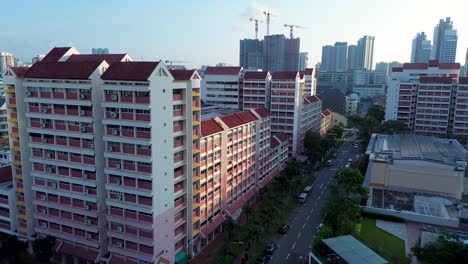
113, 114
83, 129
115, 132
82, 112
114, 97
82, 96
109, 148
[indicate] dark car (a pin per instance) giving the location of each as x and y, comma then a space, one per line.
263, 259
284, 228
271, 248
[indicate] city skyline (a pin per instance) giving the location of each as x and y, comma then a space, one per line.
220, 39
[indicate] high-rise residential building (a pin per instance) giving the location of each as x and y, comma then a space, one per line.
37, 58
6, 60
293, 46
385, 68
275, 52
303, 60
220, 86
328, 59
352, 104
353, 57
251, 54
341, 56
429, 97
3, 118
100, 51
366, 53
421, 49
445, 42
309, 81
255, 90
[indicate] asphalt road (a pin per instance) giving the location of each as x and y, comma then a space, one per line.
305, 218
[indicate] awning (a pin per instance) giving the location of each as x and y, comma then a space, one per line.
78, 251
263, 182
181, 257
250, 193
235, 206
210, 227
163, 260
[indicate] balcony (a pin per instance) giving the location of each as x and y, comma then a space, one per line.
195, 93
142, 99
177, 97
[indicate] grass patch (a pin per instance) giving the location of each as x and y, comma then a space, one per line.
386, 245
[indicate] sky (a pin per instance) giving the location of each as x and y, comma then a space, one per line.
206, 32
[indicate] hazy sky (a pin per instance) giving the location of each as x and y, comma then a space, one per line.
208, 31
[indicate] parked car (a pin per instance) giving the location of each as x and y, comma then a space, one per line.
320, 226
284, 228
329, 163
263, 259
350, 160
271, 248
355, 145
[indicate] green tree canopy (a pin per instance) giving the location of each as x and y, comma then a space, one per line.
377, 112
447, 249
393, 126
43, 248
312, 145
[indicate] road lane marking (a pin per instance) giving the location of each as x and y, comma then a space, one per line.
293, 246
288, 255
319, 197
303, 226
308, 217
299, 234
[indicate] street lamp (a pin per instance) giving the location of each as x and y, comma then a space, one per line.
227, 248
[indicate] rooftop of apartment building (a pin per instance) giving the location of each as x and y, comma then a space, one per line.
212, 111
429, 64
229, 70
386, 147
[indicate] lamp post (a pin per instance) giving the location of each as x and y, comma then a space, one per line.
227, 248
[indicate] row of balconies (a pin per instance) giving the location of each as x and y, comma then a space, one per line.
126, 149
65, 186
129, 182
69, 111
64, 171
276, 107
131, 198
66, 232
68, 142
129, 132
64, 216
429, 105
65, 201
125, 116
71, 94
49, 124
129, 99
129, 166
60, 156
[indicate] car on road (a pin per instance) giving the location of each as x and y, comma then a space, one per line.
263, 259
347, 166
329, 163
320, 226
302, 198
284, 228
350, 160
270, 249
355, 145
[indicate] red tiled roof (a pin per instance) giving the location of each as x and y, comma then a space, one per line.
250, 193
236, 205
182, 75
5, 174
246, 116
273, 142
255, 75
130, 71
312, 99
283, 137
19, 71
284, 75
262, 111
109, 58
431, 63
326, 112
449, 66
415, 66
231, 120
427, 79
210, 227
223, 70
397, 69
78, 251
55, 54
62, 70
210, 127
263, 182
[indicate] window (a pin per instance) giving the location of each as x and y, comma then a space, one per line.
177, 107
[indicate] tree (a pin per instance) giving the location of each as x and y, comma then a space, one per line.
352, 180
393, 126
293, 169
377, 112
312, 145
43, 249
447, 249
229, 226
12, 249
247, 209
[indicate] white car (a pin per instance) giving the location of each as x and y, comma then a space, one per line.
355, 145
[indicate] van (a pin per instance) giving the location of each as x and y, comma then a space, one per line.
308, 189
329, 163
303, 197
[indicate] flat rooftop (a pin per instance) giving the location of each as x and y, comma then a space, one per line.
212, 111
386, 148
353, 251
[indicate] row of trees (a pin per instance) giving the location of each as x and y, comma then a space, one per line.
448, 248
341, 211
13, 250
316, 146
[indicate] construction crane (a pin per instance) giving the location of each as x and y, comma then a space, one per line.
170, 62
291, 27
268, 14
256, 26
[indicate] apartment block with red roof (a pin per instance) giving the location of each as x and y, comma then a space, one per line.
7, 201
311, 110
428, 98
309, 82
220, 86
325, 121
287, 91
254, 91
236, 161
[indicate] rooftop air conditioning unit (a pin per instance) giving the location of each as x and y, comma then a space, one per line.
119, 229
114, 97
83, 129
113, 114
115, 132
109, 148
82, 112
28, 93
82, 96
91, 145
88, 222
117, 166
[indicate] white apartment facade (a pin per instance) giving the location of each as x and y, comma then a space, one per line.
220, 86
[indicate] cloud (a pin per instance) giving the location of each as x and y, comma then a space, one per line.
255, 10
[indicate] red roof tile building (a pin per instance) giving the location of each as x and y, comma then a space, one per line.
220, 86
325, 121
254, 90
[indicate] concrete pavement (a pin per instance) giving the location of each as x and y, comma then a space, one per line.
305, 218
